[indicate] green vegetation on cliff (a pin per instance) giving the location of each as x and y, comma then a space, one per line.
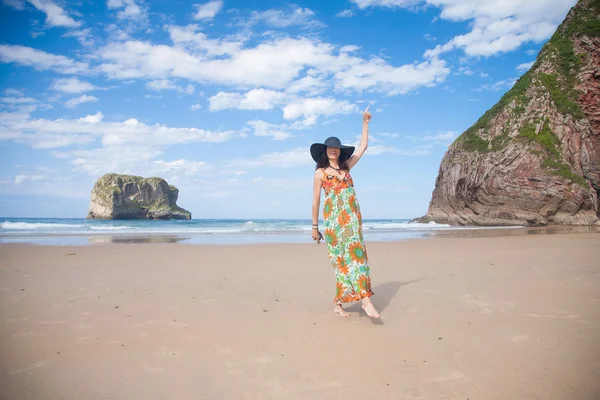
559, 53
550, 145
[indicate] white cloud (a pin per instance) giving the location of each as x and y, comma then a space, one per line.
497, 27
72, 85
165, 84
256, 99
18, 100
207, 10
309, 84
55, 15
317, 106
441, 138
345, 14
272, 64
129, 146
74, 102
198, 42
525, 66
223, 101
92, 119
18, 4
195, 107
500, 85
265, 129
280, 18
22, 178
384, 3
13, 92
40, 60
281, 159
84, 36
182, 166
131, 9
41, 133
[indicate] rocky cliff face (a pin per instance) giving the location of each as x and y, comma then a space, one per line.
133, 197
534, 158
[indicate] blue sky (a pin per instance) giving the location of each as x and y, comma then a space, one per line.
224, 98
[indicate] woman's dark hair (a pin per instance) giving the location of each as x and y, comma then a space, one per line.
342, 161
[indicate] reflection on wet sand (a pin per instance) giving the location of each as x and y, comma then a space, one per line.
143, 239
517, 231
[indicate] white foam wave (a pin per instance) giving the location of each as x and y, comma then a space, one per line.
403, 225
109, 228
37, 225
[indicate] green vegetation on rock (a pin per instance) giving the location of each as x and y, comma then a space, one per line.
563, 98
500, 142
550, 145
473, 142
559, 52
561, 169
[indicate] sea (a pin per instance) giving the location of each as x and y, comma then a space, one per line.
79, 231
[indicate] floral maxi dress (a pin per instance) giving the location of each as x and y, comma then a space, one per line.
344, 237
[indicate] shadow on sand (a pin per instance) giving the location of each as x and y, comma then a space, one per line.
384, 293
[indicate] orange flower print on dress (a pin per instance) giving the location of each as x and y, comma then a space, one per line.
343, 219
352, 203
364, 283
331, 237
327, 208
357, 252
342, 265
344, 239
339, 289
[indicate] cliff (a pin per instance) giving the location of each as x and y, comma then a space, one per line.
534, 158
132, 197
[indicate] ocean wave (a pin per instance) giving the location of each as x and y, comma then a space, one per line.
109, 228
403, 225
37, 225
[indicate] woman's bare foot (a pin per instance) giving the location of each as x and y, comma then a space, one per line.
367, 305
340, 310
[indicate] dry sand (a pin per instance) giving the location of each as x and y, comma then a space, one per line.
463, 318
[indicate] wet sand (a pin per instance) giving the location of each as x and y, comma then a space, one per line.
507, 317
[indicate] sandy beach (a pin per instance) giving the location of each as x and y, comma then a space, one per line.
513, 317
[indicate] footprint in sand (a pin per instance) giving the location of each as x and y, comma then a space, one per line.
450, 377
519, 338
167, 352
231, 368
32, 366
569, 316
485, 307
222, 350
30, 333
154, 369
150, 322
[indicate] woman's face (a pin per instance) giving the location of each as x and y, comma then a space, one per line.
333, 153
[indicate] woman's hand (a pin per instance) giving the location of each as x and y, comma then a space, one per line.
366, 115
316, 235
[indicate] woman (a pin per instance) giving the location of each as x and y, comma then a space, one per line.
342, 219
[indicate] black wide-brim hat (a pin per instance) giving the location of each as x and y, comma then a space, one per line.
318, 149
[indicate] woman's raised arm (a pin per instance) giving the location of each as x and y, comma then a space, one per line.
364, 140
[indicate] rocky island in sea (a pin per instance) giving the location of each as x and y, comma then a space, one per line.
534, 158
117, 196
